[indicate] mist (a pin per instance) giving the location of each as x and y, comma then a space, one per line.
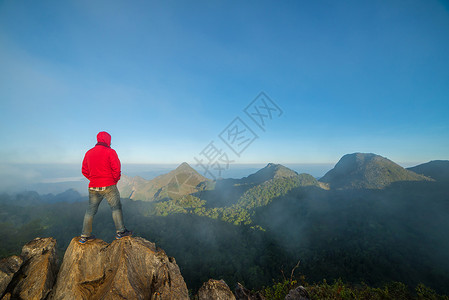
374, 236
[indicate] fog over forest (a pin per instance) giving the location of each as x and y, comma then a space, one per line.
256, 228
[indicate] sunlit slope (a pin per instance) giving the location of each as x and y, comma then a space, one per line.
367, 171
182, 181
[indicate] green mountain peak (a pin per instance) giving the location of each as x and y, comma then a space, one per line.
367, 170
177, 183
183, 167
270, 171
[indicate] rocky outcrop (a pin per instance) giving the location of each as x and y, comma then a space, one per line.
242, 293
8, 267
299, 293
215, 290
33, 273
129, 268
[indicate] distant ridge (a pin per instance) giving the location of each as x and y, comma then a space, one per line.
367, 170
353, 171
435, 169
177, 183
270, 171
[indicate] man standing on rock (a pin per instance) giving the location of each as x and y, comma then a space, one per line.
101, 166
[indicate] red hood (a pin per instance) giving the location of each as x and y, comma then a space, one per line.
104, 137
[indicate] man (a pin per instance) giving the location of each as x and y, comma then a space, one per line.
101, 166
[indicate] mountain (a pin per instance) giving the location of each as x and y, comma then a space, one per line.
263, 194
273, 174
333, 232
235, 200
70, 195
182, 181
435, 169
368, 171
271, 180
58, 187
270, 171
28, 198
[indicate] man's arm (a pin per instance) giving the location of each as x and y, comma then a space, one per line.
85, 168
115, 166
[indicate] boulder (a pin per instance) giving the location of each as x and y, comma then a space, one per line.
242, 293
128, 268
298, 293
215, 290
8, 267
37, 274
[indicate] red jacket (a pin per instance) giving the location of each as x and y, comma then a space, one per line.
101, 164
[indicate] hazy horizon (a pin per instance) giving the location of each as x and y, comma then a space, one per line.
56, 178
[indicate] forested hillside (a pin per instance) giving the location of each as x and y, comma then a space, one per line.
256, 229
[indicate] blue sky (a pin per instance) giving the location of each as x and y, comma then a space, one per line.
166, 78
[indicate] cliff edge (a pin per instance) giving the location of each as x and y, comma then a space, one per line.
129, 268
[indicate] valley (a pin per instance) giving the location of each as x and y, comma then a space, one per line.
368, 220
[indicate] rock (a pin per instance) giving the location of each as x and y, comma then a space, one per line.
215, 290
37, 274
129, 268
242, 293
8, 267
299, 293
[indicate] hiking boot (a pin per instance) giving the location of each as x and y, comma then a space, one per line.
124, 233
85, 239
